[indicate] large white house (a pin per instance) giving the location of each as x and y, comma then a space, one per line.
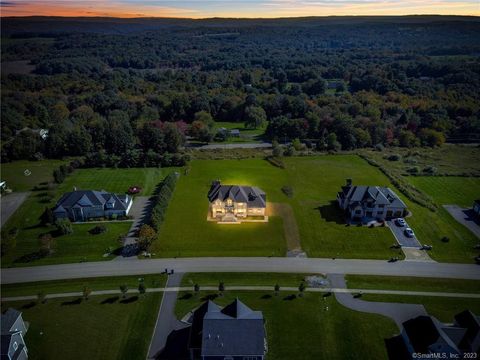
366, 203
229, 202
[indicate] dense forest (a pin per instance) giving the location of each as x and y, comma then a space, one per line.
134, 90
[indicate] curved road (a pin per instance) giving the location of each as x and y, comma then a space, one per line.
239, 264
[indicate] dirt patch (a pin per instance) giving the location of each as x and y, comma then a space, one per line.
290, 227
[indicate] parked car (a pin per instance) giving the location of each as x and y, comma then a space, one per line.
400, 222
134, 190
409, 233
426, 247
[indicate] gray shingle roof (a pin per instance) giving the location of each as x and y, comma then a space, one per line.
252, 195
235, 330
8, 319
377, 194
88, 198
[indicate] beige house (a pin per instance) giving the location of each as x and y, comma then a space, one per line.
229, 203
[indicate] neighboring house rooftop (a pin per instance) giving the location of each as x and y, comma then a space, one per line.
235, 330
252, 195
8, 319
426, 331
88, 198
468, 320
378, 194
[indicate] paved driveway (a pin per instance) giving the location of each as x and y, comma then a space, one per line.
10, 203
465, 217
166, 321
396, 311
399, 234
140, 210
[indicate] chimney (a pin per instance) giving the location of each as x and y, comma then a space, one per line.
349, 182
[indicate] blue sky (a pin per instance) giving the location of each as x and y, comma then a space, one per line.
236, 8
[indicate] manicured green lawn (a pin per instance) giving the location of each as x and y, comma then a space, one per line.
443, 308
41, 171
186, 231
77, 285
76, 247
99, 328
305, 326
79, 246
446, 190
115, 180
412, 283
315, 181
231, 279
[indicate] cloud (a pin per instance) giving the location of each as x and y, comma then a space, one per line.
236, 8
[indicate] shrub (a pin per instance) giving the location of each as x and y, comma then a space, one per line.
289, 151
64, 226
445, 239
99, 229
430, 170
413, 170
394, 157
379, 147
287, 190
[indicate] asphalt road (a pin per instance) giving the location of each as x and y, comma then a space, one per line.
10, 203
239, 264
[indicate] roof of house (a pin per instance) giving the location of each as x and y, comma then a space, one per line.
252, 195
234, 330
426, 331
379, 195
471, 322
8, 319
89, 198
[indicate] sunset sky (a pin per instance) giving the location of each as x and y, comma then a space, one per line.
235, 8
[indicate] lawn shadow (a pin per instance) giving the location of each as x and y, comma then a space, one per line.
29, 305
290, 297
266, 296
129, 300
327, 294
37, 255
331, 212
186, 296
209, 297
110, 300
77, 301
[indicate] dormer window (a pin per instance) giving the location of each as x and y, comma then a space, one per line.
229, 202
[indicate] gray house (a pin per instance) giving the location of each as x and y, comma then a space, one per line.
366, 203
427, 335
13, 331
235, 332
90, 204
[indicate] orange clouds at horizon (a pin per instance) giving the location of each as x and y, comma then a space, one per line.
264, 9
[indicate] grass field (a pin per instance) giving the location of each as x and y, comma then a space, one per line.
443, 308
412, 284
232, 279
41, 171
102, 327
315, 181
79, 246
447, 190
77, 285
314, 326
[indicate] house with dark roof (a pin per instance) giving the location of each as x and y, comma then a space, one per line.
13, 332
367, 203
427, 335
234, 332
228, 203
82, 205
